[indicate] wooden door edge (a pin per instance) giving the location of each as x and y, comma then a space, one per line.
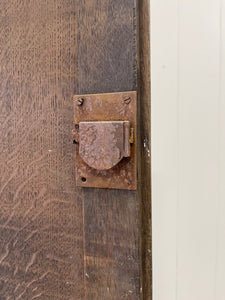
144, 168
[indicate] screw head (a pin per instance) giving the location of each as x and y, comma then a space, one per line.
127, 100
80, 101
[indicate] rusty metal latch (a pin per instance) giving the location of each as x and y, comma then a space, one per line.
102, 145
105, 131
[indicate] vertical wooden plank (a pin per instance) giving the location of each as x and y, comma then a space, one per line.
107, 63
41, 223
199, 71
164, 132
144, 92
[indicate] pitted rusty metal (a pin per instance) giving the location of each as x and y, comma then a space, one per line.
104, 144
106, 133
75, 134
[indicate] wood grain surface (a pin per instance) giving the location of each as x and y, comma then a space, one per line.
145, 147
57, 241
107, 48
41, 223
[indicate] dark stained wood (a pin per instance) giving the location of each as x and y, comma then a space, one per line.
57, 241
145, 193
41, 222
107, 48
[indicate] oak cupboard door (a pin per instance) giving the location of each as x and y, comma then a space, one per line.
58, 241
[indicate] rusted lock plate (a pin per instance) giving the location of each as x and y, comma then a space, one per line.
105, 134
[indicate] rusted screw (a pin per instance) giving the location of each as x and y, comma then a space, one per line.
80, 101
127, 100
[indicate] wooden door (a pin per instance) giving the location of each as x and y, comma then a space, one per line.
58, 241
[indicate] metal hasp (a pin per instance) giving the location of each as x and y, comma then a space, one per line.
105, 138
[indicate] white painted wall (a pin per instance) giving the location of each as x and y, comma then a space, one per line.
188, 149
